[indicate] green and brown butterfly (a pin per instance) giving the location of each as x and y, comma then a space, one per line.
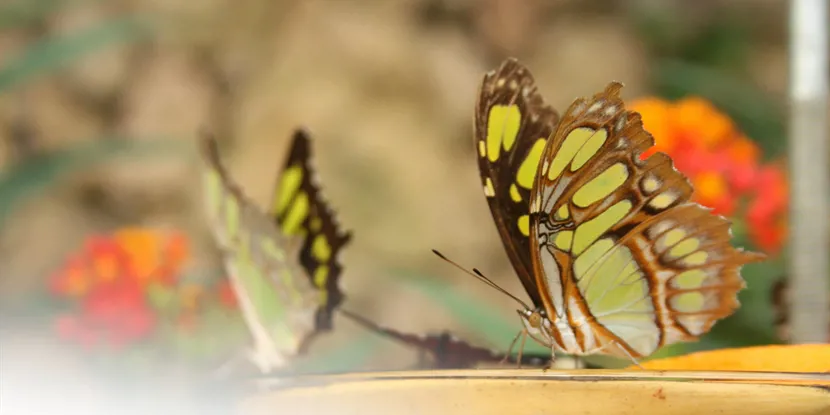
284, 268
615, 257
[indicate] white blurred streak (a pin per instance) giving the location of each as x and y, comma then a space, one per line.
40, 376
809, 241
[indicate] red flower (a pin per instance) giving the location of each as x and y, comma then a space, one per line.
115, 313
768, 212
711, 189
110, 277
227, 296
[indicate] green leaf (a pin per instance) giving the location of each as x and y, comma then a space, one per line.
51, 53
759, 116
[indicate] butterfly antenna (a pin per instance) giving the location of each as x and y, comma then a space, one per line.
479, 276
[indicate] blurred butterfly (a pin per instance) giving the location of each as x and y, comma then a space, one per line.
615, 258
445, 350
284, 267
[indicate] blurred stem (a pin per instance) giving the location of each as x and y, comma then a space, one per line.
54, 53
809, 238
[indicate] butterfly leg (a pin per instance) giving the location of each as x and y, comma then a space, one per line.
510, 349
521, 350
551, 362
614, 343
263, 360
632, 358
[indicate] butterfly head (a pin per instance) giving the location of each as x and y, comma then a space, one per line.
537, 325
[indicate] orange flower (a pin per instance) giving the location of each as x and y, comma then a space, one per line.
155, 256
656, 120
143, 247
698, 118
712, 190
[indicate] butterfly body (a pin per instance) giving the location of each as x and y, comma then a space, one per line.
284, 268
614, 256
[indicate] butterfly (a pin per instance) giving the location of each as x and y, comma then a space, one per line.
284, 267
614, 256
446, 350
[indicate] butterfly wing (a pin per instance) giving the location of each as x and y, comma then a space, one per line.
512, 124
621, 253
298, 208
277, 301
447, 351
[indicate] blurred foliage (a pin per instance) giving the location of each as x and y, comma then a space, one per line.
17, 13
38, 172
759, 116
710, 62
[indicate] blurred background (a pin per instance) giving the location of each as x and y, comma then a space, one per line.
101, 103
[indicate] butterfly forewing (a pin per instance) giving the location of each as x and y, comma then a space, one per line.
298, 208
621, 254
277, 301
512, 124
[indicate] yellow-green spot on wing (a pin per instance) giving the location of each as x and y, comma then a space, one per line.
573, 143
588, 232
321, 249
527, 170
290, 181
502, 127
589, 149
601, 186
297, 214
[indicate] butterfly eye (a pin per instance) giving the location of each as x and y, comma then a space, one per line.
534, 319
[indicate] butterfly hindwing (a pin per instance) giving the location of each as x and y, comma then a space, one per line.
277, 301
620, 252
298, 208
446, 350
512, 124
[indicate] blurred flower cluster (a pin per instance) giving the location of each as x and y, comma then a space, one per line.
723, 165
127, 289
